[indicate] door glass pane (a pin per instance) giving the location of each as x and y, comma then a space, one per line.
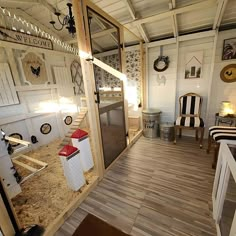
106, 47
229, 208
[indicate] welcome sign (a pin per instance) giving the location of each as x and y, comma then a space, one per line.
26, 39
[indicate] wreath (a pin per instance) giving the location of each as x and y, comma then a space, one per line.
161, 63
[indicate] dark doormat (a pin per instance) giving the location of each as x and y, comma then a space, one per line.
93, 226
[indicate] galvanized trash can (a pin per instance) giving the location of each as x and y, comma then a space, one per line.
151, 123
167, 132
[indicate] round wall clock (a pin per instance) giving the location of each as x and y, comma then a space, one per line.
15, 135
68, 120
45, 128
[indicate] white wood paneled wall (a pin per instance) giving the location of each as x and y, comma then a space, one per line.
220, 90
64, 81
165, 97
8, 95
39, 103
162, 96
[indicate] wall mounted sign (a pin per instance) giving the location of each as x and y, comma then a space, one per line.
45, 128
26, 39
229, 49
193, 65
228, 73
34, 68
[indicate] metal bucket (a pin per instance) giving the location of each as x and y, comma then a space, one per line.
151, 123
167, 132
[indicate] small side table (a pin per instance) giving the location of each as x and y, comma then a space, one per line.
229, 120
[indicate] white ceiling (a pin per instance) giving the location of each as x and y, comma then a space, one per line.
149, 19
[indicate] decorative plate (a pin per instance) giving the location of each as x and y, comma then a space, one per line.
15, 135
228, 73
45, 128
68, 120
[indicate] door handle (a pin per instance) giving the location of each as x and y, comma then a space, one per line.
98, 97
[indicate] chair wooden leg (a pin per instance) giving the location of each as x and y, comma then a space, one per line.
216, 151
196, 135
180, 132
209, 143
201, 138
176, 129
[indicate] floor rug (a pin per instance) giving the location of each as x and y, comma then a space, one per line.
93, 226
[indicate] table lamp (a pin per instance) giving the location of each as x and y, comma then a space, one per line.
226, 108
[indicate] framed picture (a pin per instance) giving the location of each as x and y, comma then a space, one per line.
229, 49
193, 65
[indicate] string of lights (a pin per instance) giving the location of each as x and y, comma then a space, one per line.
40, 33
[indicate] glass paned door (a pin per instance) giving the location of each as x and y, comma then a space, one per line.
105, 45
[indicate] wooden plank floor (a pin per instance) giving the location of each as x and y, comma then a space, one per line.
156, 188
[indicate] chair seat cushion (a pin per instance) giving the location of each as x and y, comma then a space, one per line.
189, 121
219, 133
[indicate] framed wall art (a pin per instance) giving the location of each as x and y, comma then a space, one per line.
193, 65
229, 49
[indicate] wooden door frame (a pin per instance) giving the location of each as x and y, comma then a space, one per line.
82, 26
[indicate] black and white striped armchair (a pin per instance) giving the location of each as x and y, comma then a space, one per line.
218, 135
189, 115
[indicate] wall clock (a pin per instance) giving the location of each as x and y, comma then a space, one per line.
228, 73
45, 128
15, 135
68, 120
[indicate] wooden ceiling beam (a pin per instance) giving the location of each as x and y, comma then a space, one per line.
140, 27
172, 5
103, 33
21, 1
97, 46
102, 26
161, 16
219, 13
130, 8
175, 26
143, 32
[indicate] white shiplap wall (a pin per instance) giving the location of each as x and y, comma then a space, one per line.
162, 96
38, 106
199, 86
221, 91
166, 97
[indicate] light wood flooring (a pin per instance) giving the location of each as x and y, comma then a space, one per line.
156, 188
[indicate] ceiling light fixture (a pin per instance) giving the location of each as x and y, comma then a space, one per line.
68, 20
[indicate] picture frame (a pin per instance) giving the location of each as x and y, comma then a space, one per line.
193, 65
229, 49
